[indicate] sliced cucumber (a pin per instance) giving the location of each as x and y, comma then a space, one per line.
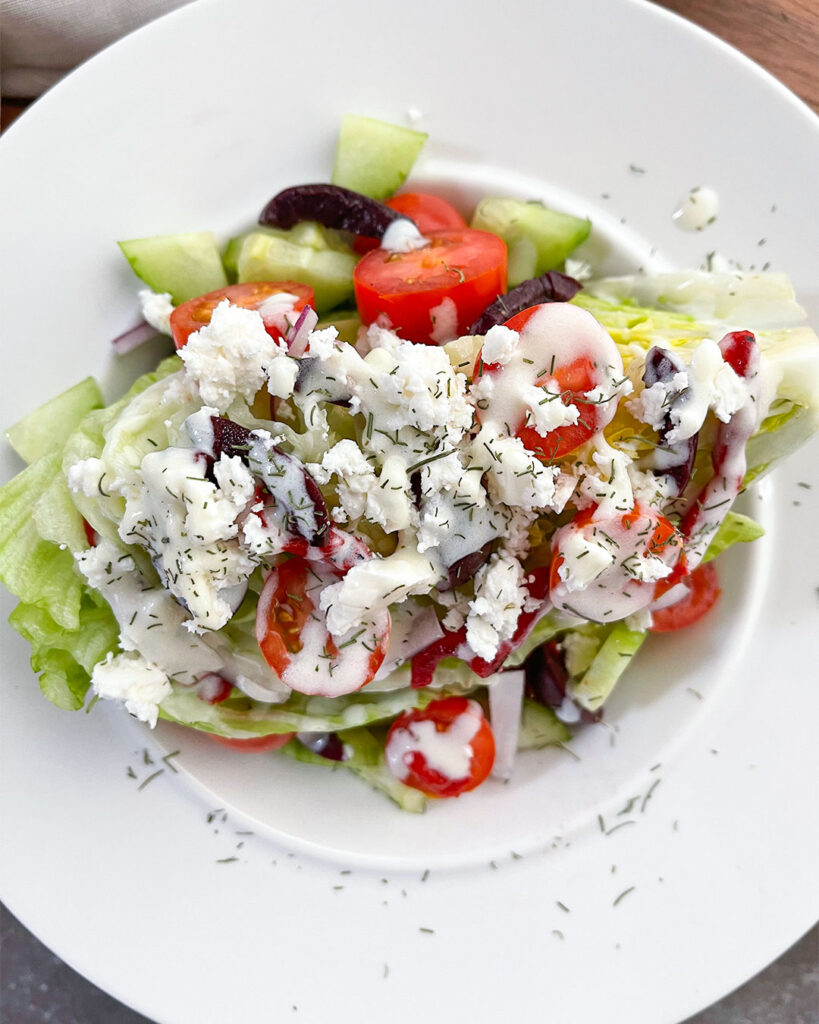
306, 253
186, 265
538, 239
611, 661
374, 157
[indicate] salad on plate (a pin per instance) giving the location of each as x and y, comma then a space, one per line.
411, 493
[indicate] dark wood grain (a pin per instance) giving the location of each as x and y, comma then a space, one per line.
781, 35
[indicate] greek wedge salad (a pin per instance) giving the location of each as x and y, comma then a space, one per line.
411, 492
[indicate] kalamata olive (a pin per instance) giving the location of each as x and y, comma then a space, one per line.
549, 287
332, 206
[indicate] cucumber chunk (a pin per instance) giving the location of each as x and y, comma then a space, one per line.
374, 157
538, 239
186, 265
306, 253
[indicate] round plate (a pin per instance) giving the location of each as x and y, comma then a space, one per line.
673, 855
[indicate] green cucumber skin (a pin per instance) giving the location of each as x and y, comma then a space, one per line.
185, 265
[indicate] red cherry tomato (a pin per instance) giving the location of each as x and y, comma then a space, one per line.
415, 735
574, 380
434, 294
617, 590
703, 591
192, 315
292, 634
430, 213
256, 745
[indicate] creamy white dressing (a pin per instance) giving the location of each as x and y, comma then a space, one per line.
403, 236
696, 209
447, 751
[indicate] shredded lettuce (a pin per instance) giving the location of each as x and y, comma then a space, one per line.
242, 718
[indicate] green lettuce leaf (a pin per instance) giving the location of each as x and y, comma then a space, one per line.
38, 571
44, 430
241, 718
65, 658
613, 658
735, 529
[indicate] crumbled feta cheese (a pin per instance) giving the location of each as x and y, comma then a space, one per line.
545, 409
230, 356
493, 613
85, 477
321, 343
189, 525
156, 309
652, 404
499, 344
374, 585
516, 477
282, 374
584, 559
131, 679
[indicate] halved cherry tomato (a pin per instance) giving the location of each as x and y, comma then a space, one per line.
703, 592
192, 315
618, 589
421, 745
433, 294
256, 745
574, 380
291, 631
430, 213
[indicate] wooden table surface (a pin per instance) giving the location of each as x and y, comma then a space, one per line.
782, 36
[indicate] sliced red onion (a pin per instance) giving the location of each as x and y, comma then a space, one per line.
505, 706
332, 206
133, 338
299, 334
549, 287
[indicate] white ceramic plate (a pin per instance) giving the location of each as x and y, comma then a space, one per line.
513, 901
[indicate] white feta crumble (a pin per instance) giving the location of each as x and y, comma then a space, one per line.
86, 477
652, 404
129, 678
282, 374
375, 584
545, 409
321, 343
500, 593
230, 356
584, 559
499, 345
156, 309
516, 477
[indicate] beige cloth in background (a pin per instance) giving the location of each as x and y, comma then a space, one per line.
41, 40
